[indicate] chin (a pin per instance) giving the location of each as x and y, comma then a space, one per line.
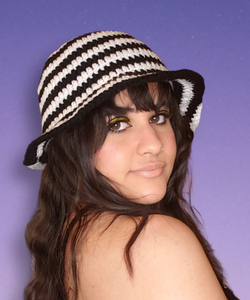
144, 192
150, 196
147, 200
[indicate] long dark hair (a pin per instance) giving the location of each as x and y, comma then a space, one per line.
73, 194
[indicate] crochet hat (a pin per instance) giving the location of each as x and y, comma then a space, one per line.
91, 68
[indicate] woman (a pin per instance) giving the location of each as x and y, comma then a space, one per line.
112, 220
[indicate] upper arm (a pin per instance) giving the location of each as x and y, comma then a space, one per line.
169, 263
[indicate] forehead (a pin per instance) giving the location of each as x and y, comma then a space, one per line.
123, 99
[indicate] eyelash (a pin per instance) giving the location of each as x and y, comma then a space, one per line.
118, 120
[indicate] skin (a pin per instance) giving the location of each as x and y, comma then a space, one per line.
132, 157
168, 262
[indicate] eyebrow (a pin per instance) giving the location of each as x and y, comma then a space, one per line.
119, 110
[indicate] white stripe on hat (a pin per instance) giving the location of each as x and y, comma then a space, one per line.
187, 95
196, 118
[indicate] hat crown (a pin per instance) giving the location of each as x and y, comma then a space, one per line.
87, 66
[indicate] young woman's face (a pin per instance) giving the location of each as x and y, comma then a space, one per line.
139, 151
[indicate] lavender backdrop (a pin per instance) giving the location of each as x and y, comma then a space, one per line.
209, 36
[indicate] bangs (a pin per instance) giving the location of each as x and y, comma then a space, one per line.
143, 99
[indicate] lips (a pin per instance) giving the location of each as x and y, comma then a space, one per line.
150, 170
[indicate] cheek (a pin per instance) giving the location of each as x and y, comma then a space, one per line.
110, 159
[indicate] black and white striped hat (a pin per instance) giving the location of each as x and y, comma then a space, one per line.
89, 69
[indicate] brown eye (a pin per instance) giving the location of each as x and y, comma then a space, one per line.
118, 124
159, 118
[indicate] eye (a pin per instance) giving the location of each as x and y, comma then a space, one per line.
118, 124
160, 118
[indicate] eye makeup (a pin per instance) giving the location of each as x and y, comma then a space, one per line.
118, 119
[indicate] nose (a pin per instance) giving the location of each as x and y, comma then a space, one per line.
149, 142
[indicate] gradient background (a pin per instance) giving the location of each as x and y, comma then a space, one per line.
211, 37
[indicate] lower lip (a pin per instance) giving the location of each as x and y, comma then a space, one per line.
149, 174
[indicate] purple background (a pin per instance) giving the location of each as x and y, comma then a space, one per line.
211, 37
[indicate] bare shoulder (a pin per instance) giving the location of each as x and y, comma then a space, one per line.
168, 231
169, 261
170, 239
164, 225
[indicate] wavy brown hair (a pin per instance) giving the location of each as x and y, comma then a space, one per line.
73, 194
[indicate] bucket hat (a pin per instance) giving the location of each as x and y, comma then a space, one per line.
93, 67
